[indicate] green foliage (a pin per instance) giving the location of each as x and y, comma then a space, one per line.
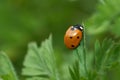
105, 56
105, 19
74, 72
40, 61
7, 71
102, 52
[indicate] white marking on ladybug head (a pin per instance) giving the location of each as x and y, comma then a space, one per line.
81, 27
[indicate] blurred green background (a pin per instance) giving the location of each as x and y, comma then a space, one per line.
24, 21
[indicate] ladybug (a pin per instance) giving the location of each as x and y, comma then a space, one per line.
73, 36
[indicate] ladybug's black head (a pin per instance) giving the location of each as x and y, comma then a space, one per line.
80, 27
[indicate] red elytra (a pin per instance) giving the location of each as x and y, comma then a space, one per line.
73, 36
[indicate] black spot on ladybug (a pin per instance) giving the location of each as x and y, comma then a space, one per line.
78, 37
70, 37
72, 46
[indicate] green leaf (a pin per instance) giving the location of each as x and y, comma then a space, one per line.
80, 57
102, 52
107, 48
97, 55
106, 56
114, 59
74, 71
7, 71
40, 61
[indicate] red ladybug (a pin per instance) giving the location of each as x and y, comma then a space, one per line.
73, 36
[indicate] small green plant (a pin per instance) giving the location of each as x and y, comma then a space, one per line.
40, 62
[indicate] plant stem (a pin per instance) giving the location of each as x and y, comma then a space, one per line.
78, 55
84, 51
